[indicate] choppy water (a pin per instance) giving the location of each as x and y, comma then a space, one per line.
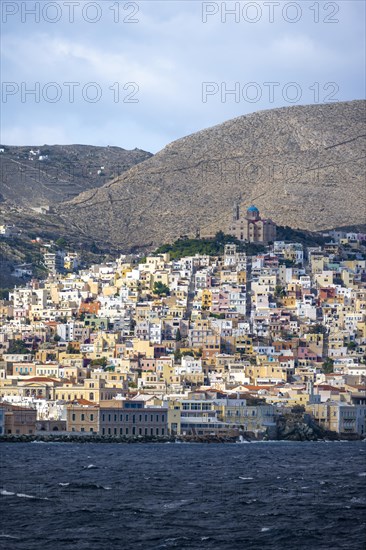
189, 496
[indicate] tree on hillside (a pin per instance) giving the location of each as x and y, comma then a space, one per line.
351, 346
328, 365
18, 346
102, 362
61, 242
318, 329
160, 289
71, 349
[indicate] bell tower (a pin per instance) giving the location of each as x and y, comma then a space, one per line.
236, 211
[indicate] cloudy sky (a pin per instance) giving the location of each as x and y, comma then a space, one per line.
142, 74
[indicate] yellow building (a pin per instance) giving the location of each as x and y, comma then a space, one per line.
244, 345
82, 417
70, 359
242, 277
104, 345
93, 389
269, 371
206, 299
289, 302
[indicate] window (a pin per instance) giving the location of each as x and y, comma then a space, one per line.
92, 417
82, 417
73, 416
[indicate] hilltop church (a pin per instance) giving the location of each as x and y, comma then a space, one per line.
251, 227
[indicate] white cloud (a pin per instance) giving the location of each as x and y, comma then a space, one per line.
169, 53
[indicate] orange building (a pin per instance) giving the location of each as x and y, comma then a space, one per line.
89, 307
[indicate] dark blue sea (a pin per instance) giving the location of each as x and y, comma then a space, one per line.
274, 495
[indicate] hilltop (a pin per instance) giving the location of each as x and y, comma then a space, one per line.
33, 176
303, 166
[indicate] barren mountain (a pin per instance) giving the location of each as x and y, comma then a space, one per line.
43, 175
303, 166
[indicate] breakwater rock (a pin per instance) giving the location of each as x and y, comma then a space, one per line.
300, 426
95, 438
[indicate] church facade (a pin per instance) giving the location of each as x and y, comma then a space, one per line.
251, 227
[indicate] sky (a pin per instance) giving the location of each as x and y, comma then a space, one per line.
143, 74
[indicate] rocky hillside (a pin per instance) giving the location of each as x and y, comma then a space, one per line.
304, 166
21, 250
43, 175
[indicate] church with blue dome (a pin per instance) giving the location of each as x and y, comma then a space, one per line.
251, 228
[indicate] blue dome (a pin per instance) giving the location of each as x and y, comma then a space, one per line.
252, 209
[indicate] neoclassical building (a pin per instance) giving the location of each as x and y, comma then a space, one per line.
251, 227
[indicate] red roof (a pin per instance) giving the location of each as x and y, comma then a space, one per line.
84, 402
255, 388
327, 387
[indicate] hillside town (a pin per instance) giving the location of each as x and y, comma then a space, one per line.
197, 345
